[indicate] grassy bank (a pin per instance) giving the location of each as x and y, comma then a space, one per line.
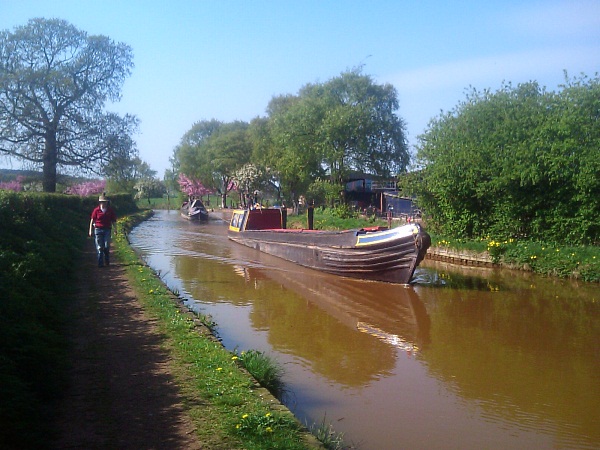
227, 406
576, 262
41, 237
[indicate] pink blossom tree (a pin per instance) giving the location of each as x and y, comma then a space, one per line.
87, 188
192, 187
14, 185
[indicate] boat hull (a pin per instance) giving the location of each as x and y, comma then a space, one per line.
194, 210
194, 217
389, 255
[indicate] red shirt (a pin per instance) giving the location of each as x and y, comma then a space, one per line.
103, 219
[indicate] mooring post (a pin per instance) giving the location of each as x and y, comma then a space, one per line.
283, 217
310, 212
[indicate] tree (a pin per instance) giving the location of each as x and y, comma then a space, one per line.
192, 187
190, 156
124, 173
54, 82
517, 162
248, 179
149, 188
228, 149
291, 150
359, 129
346, 124
87, 188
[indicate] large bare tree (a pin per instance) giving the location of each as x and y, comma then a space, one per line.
54, 83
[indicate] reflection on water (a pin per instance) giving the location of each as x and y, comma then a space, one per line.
464, 358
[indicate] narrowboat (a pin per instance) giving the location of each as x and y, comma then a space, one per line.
377, 253
194, 210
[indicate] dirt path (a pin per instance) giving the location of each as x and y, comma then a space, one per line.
122, 395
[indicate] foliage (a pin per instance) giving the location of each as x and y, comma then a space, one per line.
266, 371
192, 187
124, 172
325, 131
565, 261
322, 192
36, 262
211, 152
325, 433
346, 124
359, 129
228, 149
248, 180
14, 185
148, 188
87, 188
54, 82
517, 163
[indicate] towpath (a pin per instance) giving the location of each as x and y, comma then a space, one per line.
122, 395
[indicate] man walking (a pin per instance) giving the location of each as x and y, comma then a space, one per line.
103, 218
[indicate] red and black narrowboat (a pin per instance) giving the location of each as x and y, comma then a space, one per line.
377, 253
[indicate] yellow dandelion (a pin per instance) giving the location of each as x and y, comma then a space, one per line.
238, 426
234, 358
151, 291
245, 416
268, 415
269, 430
219, 369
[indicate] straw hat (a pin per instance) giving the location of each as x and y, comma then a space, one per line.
103, 198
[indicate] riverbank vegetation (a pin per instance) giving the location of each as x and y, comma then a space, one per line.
520, 163
42, 234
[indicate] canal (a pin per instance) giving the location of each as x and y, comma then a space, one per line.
463, 358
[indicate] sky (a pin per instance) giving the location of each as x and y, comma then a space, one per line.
226, 59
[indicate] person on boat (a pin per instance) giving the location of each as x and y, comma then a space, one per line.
102, 220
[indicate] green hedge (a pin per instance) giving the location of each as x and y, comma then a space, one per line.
41, 239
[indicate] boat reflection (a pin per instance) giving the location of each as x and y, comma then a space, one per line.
393, 314
349, 331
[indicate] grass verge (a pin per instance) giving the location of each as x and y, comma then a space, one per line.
576, 262
228, 407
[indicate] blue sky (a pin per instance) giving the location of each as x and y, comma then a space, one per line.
197, 60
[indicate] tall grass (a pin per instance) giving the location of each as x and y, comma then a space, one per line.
266, 371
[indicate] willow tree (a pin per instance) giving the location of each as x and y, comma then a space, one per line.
346, 124
54, 83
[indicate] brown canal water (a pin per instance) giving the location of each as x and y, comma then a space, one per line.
463, 358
